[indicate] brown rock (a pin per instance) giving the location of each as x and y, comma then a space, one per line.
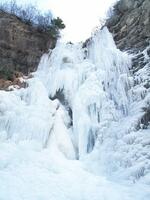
21, 45
130, 24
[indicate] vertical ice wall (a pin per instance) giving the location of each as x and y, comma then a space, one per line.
94, 82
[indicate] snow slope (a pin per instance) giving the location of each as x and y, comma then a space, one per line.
85, 143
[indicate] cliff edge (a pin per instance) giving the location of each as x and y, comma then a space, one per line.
130, 24
21, 46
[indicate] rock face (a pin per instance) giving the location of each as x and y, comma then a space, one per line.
130, 24
21, 45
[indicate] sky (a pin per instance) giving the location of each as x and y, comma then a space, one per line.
79, 16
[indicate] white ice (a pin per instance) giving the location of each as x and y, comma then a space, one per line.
97, 152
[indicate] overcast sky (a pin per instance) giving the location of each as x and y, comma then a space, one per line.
79, 16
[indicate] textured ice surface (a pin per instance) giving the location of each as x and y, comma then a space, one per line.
95, 118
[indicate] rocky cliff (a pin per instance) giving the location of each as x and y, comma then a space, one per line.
130, 24
21, 45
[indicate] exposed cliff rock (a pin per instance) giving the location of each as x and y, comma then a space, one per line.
130, 24
21, 45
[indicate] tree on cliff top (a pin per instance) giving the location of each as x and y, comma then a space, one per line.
32, 16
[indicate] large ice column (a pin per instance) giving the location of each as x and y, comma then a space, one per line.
94, 82
60, 137
103, 97
112, 67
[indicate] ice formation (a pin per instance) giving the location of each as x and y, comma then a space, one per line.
76, 127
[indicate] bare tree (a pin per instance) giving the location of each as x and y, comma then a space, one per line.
31, 15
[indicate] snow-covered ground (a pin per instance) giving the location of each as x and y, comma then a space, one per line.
86, 144
29, 172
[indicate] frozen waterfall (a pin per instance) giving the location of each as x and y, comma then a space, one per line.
72, 133
94, 83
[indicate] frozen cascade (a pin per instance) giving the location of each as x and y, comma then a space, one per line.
95, 86
73, 130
